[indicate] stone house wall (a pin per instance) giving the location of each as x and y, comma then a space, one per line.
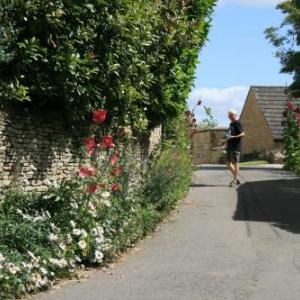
258, 135
38, 149
206, 147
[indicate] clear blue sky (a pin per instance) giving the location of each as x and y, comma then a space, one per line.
237, 55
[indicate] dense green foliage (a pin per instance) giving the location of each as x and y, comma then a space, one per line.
136, 58
46, 236
287, 40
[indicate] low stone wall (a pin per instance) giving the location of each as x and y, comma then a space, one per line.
38, 149
206, 145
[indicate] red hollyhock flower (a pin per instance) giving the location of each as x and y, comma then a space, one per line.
90, 144
86, 172
92, 188
113, 159
107, 141
290, 106
116, 171
99, 115
115, 187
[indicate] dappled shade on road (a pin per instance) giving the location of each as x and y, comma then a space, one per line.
273, 201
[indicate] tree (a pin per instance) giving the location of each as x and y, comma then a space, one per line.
209, 121
287, 39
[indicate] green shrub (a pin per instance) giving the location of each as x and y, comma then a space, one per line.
169, 177
291, 137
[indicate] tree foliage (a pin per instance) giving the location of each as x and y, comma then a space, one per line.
287, 39
209, 121
136, 58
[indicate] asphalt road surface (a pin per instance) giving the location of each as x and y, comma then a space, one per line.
224, 243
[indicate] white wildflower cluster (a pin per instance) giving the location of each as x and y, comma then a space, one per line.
98, 234
74, 204
61, 263
37, 271
105, 199
36, 217
92, 209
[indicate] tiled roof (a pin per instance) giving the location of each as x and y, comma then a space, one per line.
272, 101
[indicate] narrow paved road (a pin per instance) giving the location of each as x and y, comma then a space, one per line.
225, 243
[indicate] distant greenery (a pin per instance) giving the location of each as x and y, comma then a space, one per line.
209, 121
253, 163
287, 39
136, 58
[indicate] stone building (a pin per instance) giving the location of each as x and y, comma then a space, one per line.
262, 117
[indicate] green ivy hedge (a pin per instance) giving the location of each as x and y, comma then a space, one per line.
136, 58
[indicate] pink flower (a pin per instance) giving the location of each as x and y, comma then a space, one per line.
113, 159
99, 115
92, 188
290, 106
86, 172
90, 145
107, 141
115, 187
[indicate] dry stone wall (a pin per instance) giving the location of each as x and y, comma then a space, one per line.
38, 149
206, 145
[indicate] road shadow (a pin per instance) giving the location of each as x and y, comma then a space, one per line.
248, 168
275, 201
208, 185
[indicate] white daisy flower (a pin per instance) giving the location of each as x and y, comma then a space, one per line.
53, 237
98, 256
76, 232
69, 239
12, 268
82, 244
105, 195
44, 271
